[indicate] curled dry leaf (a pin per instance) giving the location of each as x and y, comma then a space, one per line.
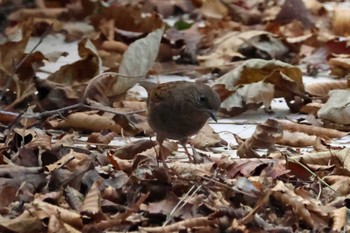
126, 18
340, 218
233, 45
214, 9
315, 7
55, 225
23, 223
130, 150
296, 139
206, 137
340, 23
337, 108
81, 70
337, 157
91, 205
265, 136
247, 167
341, 184
323, 88
339, 66
44, 210
137, 61
285, 80
190, 169
74, 198
87, 121
196, 222
101, 138
311, 130
53, 95
311, 108
306, 210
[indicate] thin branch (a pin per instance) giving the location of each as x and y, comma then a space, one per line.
288, 157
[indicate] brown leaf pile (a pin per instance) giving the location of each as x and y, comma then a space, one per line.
71, 156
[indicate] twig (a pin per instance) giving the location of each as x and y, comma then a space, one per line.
34, 48
182, 202
229, 187
288, 157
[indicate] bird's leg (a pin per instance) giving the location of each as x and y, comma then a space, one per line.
161, 152
195, 157
183, 144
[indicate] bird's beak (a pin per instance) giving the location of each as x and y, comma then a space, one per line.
212, 114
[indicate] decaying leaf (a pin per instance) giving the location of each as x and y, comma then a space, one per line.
337, 108
307, 210
239, 44
340, 218
95, 122
265, 136
234, 87
323, 88
340, 19
91, 206
110, 85
311, 130
206, 137
339, 66
81, 70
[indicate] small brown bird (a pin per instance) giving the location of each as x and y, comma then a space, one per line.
178, 110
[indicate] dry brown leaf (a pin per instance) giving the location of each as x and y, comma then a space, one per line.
247, 167
341, 184
81, 70
44, 210
25, 14
130, 150
233, 44
91, 206
306, 210
323, 88
311, 130
73, 198
315, 7
284, 79
206, 137
337, 108
265, 136
339, 66
61, 162
311, 108
137, 61
167, 205
340, 24
101, 137
296, 139
56, 226
187, 223
340, 219
23, 223
338, 157
190, 169
87, 121
213, 9
53, 95
127, 18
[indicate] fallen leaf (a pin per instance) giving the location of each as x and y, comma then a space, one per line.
337, 108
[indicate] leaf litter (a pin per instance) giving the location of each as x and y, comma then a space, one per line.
288, 176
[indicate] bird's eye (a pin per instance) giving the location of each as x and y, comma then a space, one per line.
202, 99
